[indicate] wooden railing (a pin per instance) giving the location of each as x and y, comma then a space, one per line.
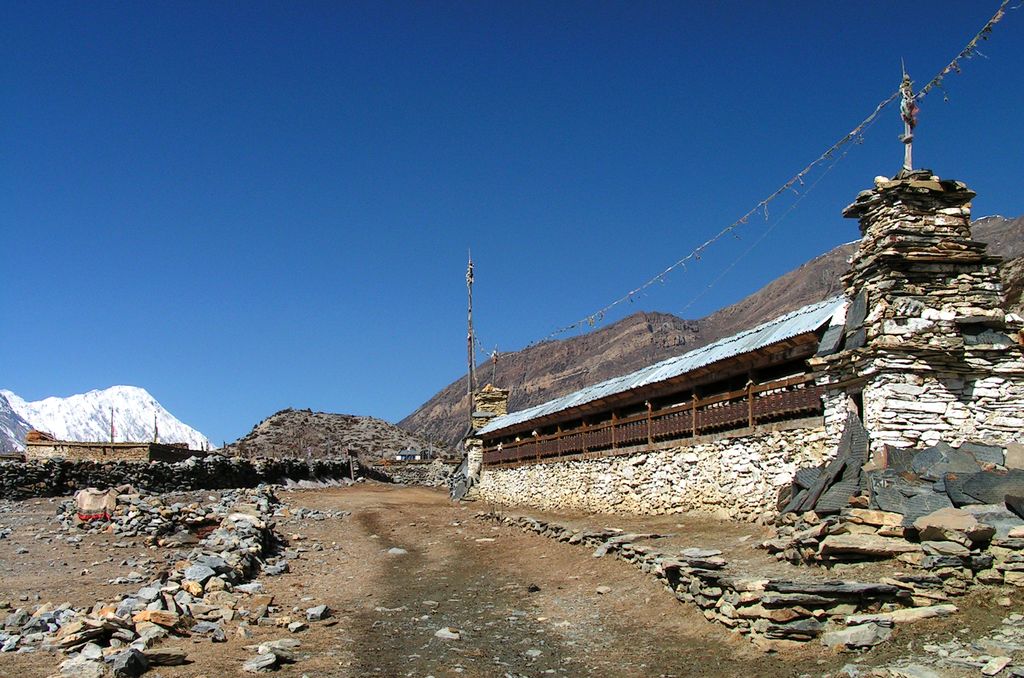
757, 403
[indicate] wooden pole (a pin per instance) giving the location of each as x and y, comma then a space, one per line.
693, 414
471, 374
908, 111
750, 399
650, 438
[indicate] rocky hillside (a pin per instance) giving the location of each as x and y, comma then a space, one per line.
1013, 281
304, 433
540, 373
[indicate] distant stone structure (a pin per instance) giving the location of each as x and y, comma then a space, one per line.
43, 449
489, 403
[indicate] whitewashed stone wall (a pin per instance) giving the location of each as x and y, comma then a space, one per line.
836, 408
736, 478
915, 410
475, 455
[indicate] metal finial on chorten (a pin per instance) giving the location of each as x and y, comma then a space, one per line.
908, 111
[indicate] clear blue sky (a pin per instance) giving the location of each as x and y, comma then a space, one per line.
248, 206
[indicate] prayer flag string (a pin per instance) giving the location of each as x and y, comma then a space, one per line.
854, 135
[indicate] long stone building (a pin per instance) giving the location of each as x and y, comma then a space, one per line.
43, 449
919, 348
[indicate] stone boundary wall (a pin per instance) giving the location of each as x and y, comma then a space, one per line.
434, 473
735, 477
20, 480
773, 613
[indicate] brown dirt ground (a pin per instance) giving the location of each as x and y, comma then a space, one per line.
526, 605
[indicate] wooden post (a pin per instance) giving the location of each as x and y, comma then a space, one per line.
558, 440
650, 437
693, 414
585, 437
908, 111
750, 402
614, 424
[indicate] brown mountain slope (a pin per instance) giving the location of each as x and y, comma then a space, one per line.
302, 433
540, 373
1013, 284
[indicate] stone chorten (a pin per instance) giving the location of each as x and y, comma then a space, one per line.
488, 402
928, 352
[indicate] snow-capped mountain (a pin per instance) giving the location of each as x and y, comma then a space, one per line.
86, 416
12, 427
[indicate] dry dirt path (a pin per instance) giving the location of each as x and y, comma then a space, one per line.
522, 604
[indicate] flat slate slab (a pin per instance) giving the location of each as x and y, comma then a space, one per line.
837, 497
805, 477
934, 462
923, 504
954, 485
987, 454
871, 545
991, 487
833, 587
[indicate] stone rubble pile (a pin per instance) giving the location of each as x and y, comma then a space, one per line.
199, 595
954, 548
773, 613
953, 512
300, 513
153, 516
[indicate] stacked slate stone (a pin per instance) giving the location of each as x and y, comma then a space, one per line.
197, 598
954, 548
911, 483
20, 480
829, 487
774, 613
926, 333
930, 285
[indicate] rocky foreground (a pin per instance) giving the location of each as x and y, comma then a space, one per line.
201, 593
382, 580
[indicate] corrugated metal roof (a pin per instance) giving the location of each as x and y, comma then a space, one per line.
807, 319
